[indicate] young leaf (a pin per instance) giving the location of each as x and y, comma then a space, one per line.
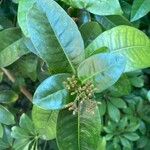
127, 41
51, 93
58, 41
102, 69
113, 112
80, 131
139, 9
5, 116
103, 7
45, 122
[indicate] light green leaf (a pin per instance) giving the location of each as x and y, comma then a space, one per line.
113, 112
102, 69
57, 41
23, 10
127, 41
111, 21
5, 116
51, 93
139, 9
45, 122
99, 7
102, 144
131, 136
80, 131
137, 81
95, 30
118, 102
125, 142
8, 96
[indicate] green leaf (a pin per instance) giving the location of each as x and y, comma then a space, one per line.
26, 123
8, 96
131, 136
127, 41
97, 7
125, 142
102, 108
95, 30
118, 102
102, 69
5, 116
121, 88
137, 81
58, 41
102, 144
51, 93
79, 131
111, 21
1, 131
139, 9
12, 47
45, 122
113, 112
23, 10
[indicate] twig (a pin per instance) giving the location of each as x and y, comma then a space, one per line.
22, 88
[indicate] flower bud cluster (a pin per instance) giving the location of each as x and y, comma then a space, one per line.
82, 92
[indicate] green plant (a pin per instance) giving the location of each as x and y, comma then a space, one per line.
88, 77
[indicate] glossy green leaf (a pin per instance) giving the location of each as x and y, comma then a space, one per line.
118, 102
139, 9
5, 116
45, 122
99, 7
127, 41
23, 10
58, 41
8, 96
80, 131
111, 21
90, 31
113, 112
51, 93
102, 69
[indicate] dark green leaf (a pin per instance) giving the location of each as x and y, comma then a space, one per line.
8, 96
102, 69
5, 116
51, 93
95, 30
139, 9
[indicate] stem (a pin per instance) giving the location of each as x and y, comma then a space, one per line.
11, 77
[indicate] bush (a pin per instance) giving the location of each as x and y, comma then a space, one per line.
74, 75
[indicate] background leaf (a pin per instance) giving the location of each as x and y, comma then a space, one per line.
97, 7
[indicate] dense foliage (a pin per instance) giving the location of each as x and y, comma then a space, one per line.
74, 75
